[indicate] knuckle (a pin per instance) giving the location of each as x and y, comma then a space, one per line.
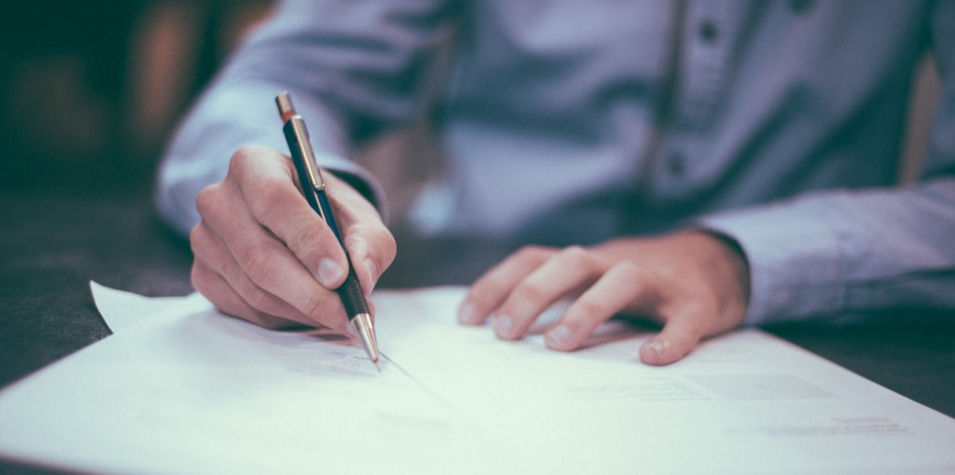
201, 242
242, 158
481, 291
382, 244
250, 169
314, 307
631, 273
268, 195
258, 263
355, 239
196, 239
390, 251
261, 301
533, 254
206, 200
385, 241
197, 277
302, 240
530, 291
590, 309
575, 256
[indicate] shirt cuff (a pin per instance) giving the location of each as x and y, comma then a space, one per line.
245, 115
793, 258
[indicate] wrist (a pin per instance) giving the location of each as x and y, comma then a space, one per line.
730, 267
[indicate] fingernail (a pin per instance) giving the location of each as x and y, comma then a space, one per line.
329, 272
559, 334
466, 313
503, 325
657, 347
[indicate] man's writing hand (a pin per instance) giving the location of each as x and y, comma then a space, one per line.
262, 254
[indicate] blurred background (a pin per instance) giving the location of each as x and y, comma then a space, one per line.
90, 90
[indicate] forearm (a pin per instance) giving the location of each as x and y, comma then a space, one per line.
347, 64
228, 117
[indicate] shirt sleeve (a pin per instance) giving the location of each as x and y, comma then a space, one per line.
352, 69
856, 252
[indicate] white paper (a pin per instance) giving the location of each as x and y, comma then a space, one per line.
746, 402
191, 391
121, 310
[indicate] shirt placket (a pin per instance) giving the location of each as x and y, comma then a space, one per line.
709, 32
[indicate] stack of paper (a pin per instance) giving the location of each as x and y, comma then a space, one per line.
188, 390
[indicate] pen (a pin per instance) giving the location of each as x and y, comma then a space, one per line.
313, 186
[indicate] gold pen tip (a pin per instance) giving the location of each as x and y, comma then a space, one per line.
366, 334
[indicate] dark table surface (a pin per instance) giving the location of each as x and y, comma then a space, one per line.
52, 246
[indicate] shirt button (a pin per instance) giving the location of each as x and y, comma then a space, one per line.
800, 7
708, 31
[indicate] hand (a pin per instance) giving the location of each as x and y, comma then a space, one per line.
262, 254
693, 282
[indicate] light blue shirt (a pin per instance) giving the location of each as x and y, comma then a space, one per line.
776, 123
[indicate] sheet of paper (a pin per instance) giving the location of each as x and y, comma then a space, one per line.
189, 390
121, 310
746, 402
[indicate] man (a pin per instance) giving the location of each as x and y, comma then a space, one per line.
704, 164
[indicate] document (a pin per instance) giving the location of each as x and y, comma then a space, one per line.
121, 310
189, 390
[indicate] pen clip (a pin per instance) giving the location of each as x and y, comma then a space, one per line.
296, 134
305, 148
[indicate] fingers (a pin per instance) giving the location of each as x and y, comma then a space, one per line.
491, 289
264, 264
282, 210
679, 336
623, 286
562, 274
524, 286
262, 253
371, 246
683, 280
225, 298
267, 187
219, 277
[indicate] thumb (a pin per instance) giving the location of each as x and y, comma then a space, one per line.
679, 336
